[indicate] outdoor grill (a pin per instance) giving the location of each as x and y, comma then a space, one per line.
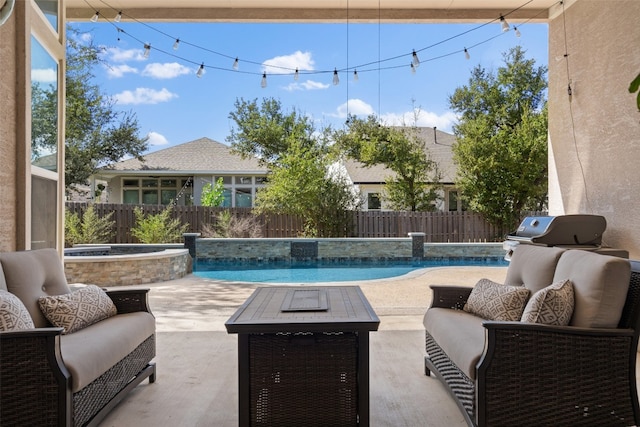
568, 231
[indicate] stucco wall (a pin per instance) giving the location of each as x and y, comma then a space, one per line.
594, 135
8, 135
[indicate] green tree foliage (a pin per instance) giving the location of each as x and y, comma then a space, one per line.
415, 183
96, 134
158, 228
301, 180
501, 148
91, 228
213, 194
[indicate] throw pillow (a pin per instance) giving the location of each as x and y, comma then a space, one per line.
78, 309
13, 314
494, 301
552, 305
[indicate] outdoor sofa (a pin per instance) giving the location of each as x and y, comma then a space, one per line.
535, 369
71, 375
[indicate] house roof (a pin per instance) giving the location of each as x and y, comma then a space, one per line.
437, 144
202, 155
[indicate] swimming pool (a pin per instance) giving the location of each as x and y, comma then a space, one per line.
318, 271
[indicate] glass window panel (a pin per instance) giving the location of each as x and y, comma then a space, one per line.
44, 108
130, 182
131, 197
50, 10
453, 201
227, 198
43, 212
149, 183
225, 179
243, 198
373, 201
149, 197
243, 180
172, 183
168, 196
261, 180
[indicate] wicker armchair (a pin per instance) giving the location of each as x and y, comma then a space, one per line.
36, 383
537, 375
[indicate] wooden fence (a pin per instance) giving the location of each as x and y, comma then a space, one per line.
439, 227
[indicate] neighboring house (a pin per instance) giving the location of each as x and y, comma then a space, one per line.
180, 172
371, 180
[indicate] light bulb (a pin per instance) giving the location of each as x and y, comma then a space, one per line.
415, 60
118, 17
336, 79
263, 83
176, 44
235, 64
147, 50
355, 76
504, 24
413, 68
95, 17
517, 31
466, 54
296, 75
200, 71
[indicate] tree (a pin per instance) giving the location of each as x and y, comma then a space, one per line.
414, 187
301, 179
501, 148
213, 195
96, 134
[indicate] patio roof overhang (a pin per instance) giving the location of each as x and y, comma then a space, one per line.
406, 11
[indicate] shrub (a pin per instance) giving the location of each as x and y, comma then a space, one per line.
91, 228
159, 228
228, 225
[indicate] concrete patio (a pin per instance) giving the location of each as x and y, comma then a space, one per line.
197, 359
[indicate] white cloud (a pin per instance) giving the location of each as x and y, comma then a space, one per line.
143, 95
308, 85
287, 63
156, 139
355, 107
44, 75
168, 70
116, 54
421, 118
117, 71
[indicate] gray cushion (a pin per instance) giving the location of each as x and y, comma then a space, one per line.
90, 352
600, 285
459, 334
32, 274
532, 266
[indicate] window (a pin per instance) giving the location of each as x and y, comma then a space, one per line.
154, 191
243, 197
453, 201
373, 201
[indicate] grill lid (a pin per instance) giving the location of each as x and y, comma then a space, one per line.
561, 230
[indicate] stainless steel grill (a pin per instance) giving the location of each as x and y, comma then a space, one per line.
565, 230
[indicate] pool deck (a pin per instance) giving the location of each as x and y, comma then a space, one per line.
197, 359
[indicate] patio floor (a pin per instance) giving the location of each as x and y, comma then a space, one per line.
197, 360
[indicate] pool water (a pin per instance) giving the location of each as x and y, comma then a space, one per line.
314, 272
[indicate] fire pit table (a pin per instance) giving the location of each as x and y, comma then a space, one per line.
303, 356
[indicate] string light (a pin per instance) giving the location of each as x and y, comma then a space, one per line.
336, 79
263, 83
414, 64
504, 24
355, 76
466, 54
200, 71
415, 61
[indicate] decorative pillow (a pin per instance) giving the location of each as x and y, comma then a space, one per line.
494, 301
13, 314
78, 309
552, 305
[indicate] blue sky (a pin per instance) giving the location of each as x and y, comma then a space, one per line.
174, 106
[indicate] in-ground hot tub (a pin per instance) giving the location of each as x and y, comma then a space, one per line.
97, 266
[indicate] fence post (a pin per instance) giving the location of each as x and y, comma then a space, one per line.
417, 244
